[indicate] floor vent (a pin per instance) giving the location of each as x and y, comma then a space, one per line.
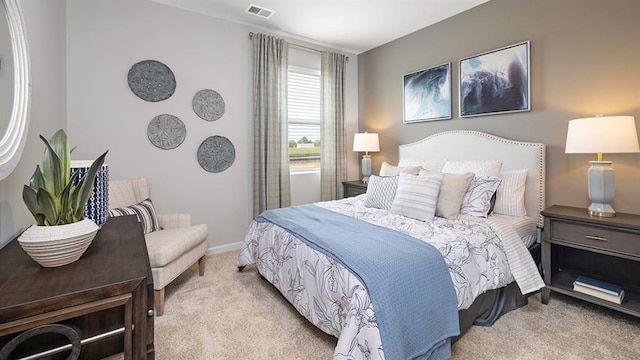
259, 11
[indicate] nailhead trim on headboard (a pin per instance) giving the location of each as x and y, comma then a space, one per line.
539, 150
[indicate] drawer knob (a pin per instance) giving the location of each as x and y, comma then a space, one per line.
150, 313
596, 237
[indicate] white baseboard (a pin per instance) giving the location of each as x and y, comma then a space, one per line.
224, 248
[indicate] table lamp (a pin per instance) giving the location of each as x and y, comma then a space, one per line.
602, 134
366, 142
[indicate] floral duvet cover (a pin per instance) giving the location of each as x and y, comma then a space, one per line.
481, 254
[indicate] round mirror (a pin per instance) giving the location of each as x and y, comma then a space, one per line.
15, 87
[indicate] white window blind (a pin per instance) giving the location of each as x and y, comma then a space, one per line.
303, 98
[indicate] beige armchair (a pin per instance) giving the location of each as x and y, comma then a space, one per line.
173, 248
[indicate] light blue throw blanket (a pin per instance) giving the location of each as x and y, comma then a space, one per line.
407, 279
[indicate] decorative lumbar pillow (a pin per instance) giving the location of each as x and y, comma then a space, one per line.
417, 196
452, 191
431, 165
477, 199
389, 170
145, 213
510, 193
381, 191
480, 168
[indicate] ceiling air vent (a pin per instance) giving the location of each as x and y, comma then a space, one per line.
259, 11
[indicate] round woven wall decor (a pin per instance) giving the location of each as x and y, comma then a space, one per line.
208, 104
216, 154
166, 131
151, 80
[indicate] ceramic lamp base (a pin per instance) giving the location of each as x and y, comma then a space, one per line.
366, 168
601, 182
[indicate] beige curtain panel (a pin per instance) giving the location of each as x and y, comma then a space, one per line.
271, 188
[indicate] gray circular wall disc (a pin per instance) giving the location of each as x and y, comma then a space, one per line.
151, 80
166, 131
208, 104
216, 154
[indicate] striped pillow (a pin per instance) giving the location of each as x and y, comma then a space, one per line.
143, 211
417, 196
381, 191
510, 194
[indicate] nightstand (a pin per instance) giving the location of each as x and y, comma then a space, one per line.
354, 188
608, 249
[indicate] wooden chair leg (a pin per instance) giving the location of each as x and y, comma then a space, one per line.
201, 265
158, 300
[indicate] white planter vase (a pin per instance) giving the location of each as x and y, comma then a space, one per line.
52, 246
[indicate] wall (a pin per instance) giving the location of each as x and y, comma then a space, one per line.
45, 28
583, 55
202, 52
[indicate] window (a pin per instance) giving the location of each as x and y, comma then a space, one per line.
303, 98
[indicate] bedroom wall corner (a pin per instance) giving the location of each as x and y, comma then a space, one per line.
581, 65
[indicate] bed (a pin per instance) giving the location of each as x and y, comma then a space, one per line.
489, 262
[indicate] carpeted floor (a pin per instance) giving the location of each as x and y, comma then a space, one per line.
228, 314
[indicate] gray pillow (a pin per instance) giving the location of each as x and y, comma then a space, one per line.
381, 191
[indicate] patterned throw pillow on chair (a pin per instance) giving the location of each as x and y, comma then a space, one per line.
143, 211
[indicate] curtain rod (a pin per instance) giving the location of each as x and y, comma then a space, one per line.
298, 46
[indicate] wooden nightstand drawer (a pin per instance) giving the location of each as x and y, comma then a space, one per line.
596, 237
354, 188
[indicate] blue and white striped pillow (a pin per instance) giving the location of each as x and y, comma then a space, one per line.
417, 196
145, 213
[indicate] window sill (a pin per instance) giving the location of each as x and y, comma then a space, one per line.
303, 172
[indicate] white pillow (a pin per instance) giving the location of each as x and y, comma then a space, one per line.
431, 165
381, 191
477, 199
480, 168
452, 191
389, 170
417, 196
510, 193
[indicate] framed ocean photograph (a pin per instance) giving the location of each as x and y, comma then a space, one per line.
496, 82
427, 94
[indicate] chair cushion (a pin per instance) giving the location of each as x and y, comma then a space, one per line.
164, 246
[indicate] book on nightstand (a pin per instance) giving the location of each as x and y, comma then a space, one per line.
598, 288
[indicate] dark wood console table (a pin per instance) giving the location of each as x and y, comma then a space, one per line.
106, 297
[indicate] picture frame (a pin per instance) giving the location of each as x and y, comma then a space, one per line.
496, 82
426, 94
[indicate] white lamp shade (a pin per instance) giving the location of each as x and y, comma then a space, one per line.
604, 134
366, 142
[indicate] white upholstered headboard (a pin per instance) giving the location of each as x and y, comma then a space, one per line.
475, 145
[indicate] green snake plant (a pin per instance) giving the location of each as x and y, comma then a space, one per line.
55, 196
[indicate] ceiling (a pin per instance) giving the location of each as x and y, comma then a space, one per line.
353, 26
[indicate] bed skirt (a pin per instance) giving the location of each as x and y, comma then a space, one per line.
488, 307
